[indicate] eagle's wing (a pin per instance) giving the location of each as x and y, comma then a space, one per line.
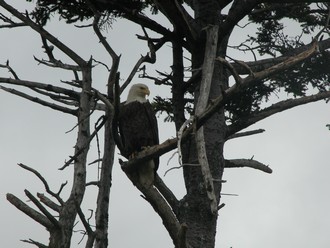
154, 137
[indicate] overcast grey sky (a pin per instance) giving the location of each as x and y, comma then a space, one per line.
289, 208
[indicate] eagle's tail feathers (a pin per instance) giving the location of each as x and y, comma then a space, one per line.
147, 173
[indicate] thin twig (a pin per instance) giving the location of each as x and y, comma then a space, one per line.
43, 180
90, 138
10, 69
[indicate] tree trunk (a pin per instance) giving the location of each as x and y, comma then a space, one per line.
195, 208
103, 198
61, 237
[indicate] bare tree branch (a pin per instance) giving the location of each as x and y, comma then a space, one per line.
237, 78
82, 149
90, 232
42, 208
10, 69
247, 133
159, 204
39, 245
236, 163
49, 203
40, 101
148, 23
167, 193
102, 39
179, 17
38, 217
11, 23
102, 209
57, 64
47, 87
25, 19
150, 57
43, 180
48, 49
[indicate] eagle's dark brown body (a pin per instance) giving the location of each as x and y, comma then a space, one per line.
138, 128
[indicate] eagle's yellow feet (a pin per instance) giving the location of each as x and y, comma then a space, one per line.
133, 155
145, 147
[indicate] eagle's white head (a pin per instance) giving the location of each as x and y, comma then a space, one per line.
138, 93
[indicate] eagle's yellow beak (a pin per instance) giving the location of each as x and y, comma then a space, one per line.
147, 91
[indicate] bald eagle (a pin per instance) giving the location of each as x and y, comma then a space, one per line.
138, 130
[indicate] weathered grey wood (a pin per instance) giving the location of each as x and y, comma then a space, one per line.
202, 103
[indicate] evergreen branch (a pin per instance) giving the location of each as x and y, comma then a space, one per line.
263, 64
251, 79
273, 109
291, 61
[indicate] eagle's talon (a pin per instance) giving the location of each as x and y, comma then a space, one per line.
145, 147
133, 155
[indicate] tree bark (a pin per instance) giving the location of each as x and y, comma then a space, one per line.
61, 237
103, 198
195, 208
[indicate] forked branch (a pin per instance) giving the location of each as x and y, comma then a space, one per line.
43, 180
